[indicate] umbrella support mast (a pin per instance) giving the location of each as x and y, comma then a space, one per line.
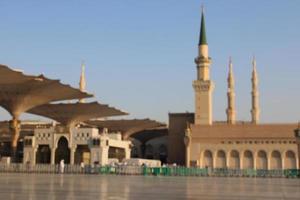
15, 131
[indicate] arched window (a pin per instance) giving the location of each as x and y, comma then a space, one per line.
276, 162
62, 152
248, 160
221, 159
290, 160
262, 160
234, 160
207, 159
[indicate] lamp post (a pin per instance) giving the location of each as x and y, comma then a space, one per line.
297, 135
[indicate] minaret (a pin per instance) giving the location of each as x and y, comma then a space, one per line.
203, 86
230, 111
82, 82
255, 111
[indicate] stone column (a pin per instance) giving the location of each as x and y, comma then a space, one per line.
53, 155
72, 155
104, 155
127, 152
214, 157
228, 160
254, 160
269, 161
283, 160
187, 142
201, 160
241, 160
34, 156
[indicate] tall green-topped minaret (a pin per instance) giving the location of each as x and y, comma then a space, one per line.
203, 86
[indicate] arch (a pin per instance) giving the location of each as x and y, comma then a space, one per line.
59, 139
248, 162
163, 153
62, 151
43, 154
220, 159
276, 161
261, 160
149, 154
290, 160
207, 159
234, 160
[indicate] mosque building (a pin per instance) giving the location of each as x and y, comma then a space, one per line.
80, 131
83, 134
231, 144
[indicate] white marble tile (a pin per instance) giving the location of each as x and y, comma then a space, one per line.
111, 187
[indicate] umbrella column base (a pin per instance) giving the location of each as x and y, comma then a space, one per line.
15, 131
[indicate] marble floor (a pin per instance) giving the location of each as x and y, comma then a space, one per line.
54, 187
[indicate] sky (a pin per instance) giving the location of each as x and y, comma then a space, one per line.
139, 55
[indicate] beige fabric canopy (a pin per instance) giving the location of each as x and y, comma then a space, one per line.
71, 113
126, 127
19, 92
148, 134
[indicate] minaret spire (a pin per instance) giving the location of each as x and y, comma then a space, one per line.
82, 82
230, 111
203, 86
202, 38
255, 111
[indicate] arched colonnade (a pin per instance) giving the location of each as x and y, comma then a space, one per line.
248, 159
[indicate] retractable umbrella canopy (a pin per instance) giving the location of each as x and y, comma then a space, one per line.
72, 113
149, 134
126, 127
19, 92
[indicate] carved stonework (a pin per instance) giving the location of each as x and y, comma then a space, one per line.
202, 86
202, 60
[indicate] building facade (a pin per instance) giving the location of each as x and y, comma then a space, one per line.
81, 144
233, 144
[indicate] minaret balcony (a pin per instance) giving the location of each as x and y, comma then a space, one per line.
203, 86
202, 60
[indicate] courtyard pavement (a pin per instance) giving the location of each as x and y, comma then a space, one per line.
111, 187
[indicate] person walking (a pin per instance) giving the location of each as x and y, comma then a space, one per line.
82, 167
62, 166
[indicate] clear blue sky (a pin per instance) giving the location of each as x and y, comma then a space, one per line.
139, 54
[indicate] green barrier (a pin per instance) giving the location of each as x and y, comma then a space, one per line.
156, 171
224, 172
291, 173
262, 173
146, 171
165, 171
104, 170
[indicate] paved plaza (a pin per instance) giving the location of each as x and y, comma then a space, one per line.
54, 187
